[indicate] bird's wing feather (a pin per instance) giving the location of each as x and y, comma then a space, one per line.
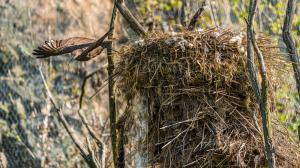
74, 45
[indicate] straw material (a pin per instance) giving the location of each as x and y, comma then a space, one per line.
200, 103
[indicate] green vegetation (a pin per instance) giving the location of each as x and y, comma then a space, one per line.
27, 121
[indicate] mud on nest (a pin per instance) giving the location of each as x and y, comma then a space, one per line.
200, 104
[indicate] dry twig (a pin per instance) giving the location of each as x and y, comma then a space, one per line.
194, 81
83, 85
91, 161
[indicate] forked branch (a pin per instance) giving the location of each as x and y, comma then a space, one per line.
86, 154
261, 94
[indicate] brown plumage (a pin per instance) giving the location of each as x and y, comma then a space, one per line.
74, 45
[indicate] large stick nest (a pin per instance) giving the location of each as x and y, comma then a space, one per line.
201, 106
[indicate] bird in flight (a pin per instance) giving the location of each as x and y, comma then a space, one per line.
81, 48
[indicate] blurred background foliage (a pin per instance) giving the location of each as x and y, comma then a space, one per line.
30, 134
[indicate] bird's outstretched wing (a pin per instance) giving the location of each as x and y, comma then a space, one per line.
74, 45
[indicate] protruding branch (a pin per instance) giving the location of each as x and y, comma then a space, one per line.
133, 22
261, 94
193, 21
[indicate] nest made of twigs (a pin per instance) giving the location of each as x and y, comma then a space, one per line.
200, 103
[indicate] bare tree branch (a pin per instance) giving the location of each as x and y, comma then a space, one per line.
134, 24
264, 107
250, 58
261, 95
84, 153
183, 13
193, 21
133, 8
121, 134
84, 83
112, 103
84, 120
290, 45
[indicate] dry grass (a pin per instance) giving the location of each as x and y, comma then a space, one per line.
200, 103
23, 26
